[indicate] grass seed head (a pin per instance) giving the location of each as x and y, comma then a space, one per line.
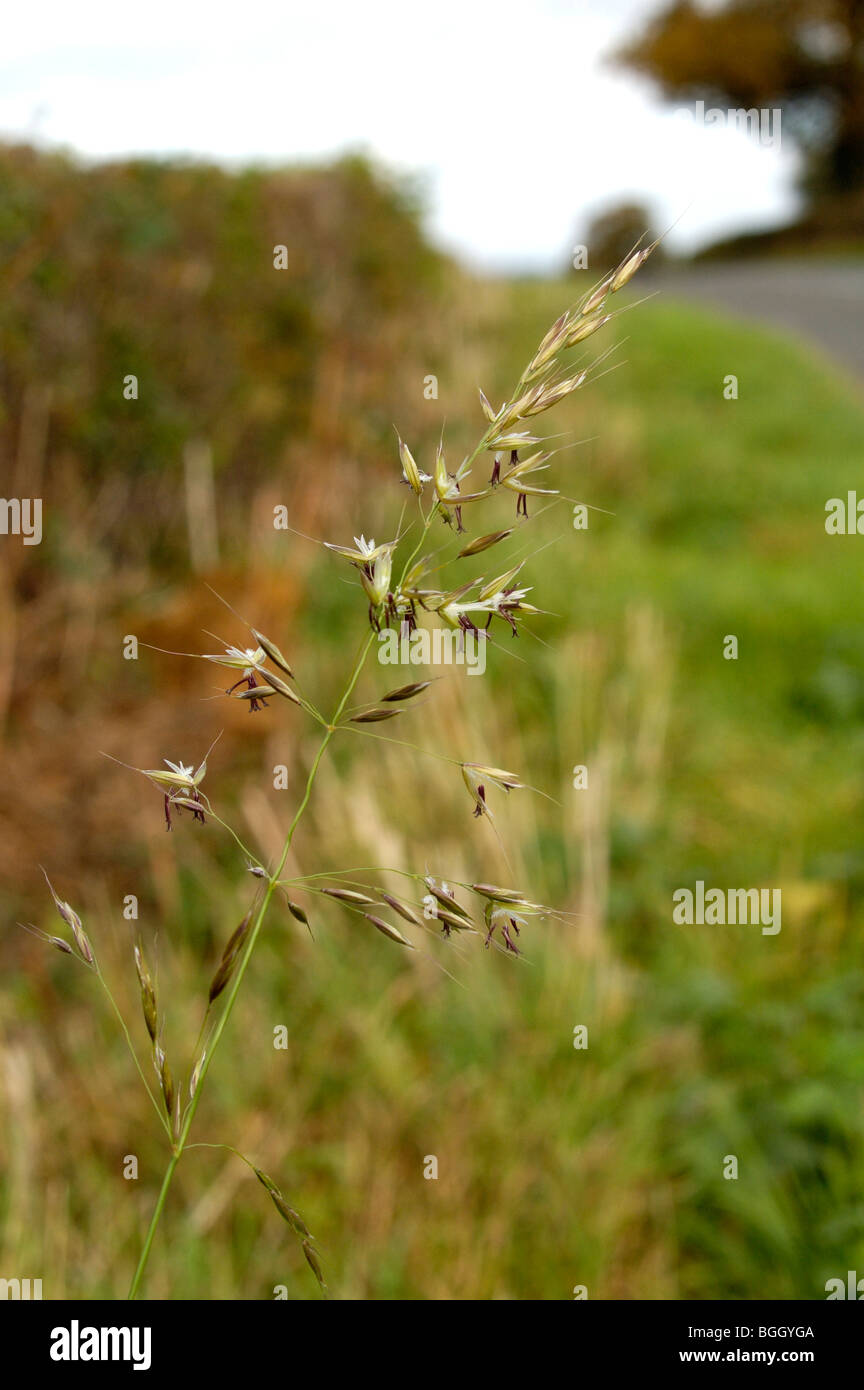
388, 929
403, 909
148, 994
504, 581
583, 329
259, 692
409, 468
273, 652
505, 920
314, 1263
348, 895
56, 941
628, 268
276, 683
447, 899
452, 920
166, 1080
196, 1075
508, 780
73, 922
294, 1219
377, 583
238, 936
238, 658
374, 716
228, 963
597, 297
500, 895
554, 338
187, 803
519, 439
483, 543
477, 777
407, 692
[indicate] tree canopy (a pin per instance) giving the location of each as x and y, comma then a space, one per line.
805, 57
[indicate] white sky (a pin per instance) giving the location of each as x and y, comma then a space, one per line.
504, 107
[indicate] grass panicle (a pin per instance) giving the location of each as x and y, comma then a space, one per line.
395, 587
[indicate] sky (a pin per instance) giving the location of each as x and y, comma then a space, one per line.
508, 110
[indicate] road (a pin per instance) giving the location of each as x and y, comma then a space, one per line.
821, 301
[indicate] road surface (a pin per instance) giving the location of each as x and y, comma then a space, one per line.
821, 301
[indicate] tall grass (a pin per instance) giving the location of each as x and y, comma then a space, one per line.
263, 679
601, 1167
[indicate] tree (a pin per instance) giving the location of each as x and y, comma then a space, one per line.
805, 57
614, 232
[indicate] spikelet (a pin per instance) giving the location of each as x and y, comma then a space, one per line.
314, 1263
196, 1075
407, 692
258, 692
393, 932
166, 1081
297, 1224
228, 962
272, 651
499, 895
447, 900
593, 301
375, 716
625, 272
410, 469
582, 330
56, 941
148, 994
483, 543
453, 920
73, 922
348, 895
403, 909
275, 682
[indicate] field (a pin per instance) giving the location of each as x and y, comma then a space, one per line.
557, 1166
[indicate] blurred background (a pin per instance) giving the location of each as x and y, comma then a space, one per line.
433, 178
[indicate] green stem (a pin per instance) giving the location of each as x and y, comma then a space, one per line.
253, 859
134, 1055
238, 978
